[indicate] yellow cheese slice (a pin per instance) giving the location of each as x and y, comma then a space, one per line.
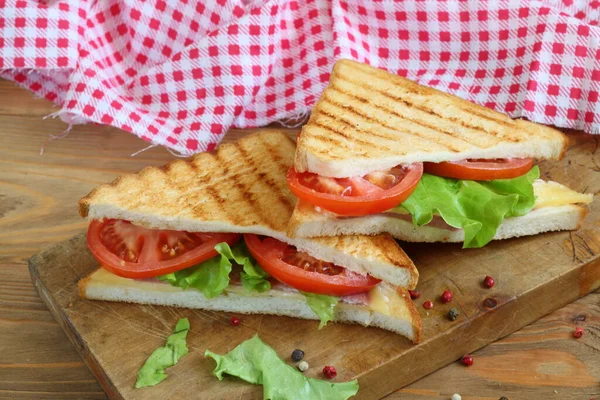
554, 194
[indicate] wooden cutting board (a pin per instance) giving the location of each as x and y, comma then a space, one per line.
534, 276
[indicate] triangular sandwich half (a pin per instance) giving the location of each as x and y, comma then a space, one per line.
239, 189
381, 153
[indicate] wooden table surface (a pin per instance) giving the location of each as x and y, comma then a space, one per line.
38, 195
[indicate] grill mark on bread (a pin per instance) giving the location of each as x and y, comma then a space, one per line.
279, 182
277, 159
283, 166
327, 139
465, 106
261, 175
423, 123
198, 208
234, 179
382, 123
350, 138
344, 135
414, 88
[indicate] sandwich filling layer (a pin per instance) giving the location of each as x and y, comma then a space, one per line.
255, 264
475, 207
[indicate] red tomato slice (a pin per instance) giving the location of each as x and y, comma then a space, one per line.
303, 272
135, 252
370, 194
481, 170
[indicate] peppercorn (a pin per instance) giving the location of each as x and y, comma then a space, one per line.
453, 314
456, 396
577, 333
447, 296
414, 294
297, 355
303, 366
428, 305
329, 372
488, 282
503, 398
235, 321
467, 360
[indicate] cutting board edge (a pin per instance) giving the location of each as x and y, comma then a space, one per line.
61, 319
573, 276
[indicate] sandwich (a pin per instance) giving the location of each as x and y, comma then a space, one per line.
210, 233
381, 153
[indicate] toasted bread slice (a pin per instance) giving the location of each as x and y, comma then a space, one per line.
241, 187
368, 119
387, 308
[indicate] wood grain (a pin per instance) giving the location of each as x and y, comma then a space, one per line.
540, 361
37, 194
16, 101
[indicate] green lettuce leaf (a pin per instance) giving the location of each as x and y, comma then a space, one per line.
322, 305
477, 207
153, 370
257, 363
211, 277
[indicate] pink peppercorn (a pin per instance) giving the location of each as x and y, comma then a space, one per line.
467, 360
447, 296
414, 294
329, 372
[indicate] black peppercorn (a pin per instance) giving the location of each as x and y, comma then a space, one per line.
503, 398
453, 314
297, 355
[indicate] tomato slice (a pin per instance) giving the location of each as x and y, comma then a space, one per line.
481, 170
304, 272
135, 252
361, 195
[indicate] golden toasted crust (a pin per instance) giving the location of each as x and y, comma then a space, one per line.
241, 187
368, 113
583, 211
415, 317
242, 183
83, 283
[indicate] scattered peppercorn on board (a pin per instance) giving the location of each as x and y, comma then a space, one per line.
532, 277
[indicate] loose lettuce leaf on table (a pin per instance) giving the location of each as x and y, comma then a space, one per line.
257, 363
478, 207
153, 370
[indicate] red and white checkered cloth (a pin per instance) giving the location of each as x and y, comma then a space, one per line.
180, 73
